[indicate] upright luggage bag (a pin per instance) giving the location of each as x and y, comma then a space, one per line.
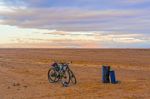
105, 74
112, 77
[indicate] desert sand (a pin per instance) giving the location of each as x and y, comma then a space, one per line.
23, 73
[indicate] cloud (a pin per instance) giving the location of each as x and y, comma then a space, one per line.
65, 39
77, 23
55, 43
58, 33
84, 40
134, 1
74, 19
73, 3
63, 18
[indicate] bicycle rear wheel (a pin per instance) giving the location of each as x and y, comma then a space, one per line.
52, 75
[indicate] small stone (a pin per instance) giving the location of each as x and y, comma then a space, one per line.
25, 86
16, 84
8, 87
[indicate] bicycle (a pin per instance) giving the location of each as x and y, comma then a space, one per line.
61, 72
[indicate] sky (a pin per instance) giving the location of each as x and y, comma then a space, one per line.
74, 24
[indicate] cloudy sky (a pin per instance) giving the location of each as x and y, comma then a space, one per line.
74, 24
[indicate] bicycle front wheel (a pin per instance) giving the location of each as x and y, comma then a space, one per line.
72, 77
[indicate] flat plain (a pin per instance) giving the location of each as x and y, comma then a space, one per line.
23, 73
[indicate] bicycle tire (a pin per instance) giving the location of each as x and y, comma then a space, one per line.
72, 77
65, 78
53, 74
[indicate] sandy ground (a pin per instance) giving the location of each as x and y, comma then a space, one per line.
23, 73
